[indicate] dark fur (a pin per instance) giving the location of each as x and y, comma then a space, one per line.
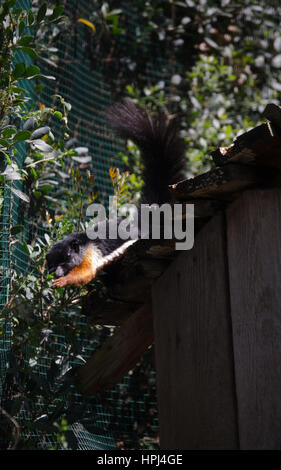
163, 156
67, 253
162, 150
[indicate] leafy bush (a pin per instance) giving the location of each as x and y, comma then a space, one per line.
218, 64
33, 313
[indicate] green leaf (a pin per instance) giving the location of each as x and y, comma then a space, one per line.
47, 238
11, 3
21, 195
26, 248
15, 89
31, 70
28, 50
41, 13
58, 10
41, 145
117, 30
211, 43
39, 88
18, 70
38, 133
35, 77
8, 160
25, 40
4, 143
11, 173
8, 132
29, 124
30, 17
45, 188
34, 173
22, 25
85, 159
16, 229
22, 135
58, 114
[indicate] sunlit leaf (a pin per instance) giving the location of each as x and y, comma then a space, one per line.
38, 133
21, 195
87, 23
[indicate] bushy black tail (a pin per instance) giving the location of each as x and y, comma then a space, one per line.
162, 150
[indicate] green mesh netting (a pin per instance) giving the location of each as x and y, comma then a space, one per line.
125, 416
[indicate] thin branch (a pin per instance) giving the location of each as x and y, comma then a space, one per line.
16, 426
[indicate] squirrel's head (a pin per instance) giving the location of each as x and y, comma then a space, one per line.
65, 254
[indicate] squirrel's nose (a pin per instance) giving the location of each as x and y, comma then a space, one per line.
59, 271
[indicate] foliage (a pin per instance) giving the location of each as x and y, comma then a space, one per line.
235, 75
218, 61
16, 26
46, 325
41, 328
33, 314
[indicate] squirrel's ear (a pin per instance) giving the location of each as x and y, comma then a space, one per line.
74, 245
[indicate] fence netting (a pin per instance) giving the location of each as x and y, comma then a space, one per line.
126, 415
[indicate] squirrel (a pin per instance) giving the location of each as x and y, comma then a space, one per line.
77, 259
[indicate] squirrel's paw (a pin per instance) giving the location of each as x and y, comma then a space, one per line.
60, 282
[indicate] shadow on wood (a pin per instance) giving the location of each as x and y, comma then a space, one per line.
193, 347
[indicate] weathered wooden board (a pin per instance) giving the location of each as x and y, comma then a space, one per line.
193, 344
118, 354
254, 256
223, 183
260, 146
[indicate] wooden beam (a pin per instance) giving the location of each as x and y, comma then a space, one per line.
118, 355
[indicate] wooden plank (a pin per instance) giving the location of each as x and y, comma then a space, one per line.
254, 250
260, 146
222, 183
223, 155
118, 355
193, 345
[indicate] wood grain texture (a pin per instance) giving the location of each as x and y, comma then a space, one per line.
222, 183
193, 346
254, 253
260, 146
118, 354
